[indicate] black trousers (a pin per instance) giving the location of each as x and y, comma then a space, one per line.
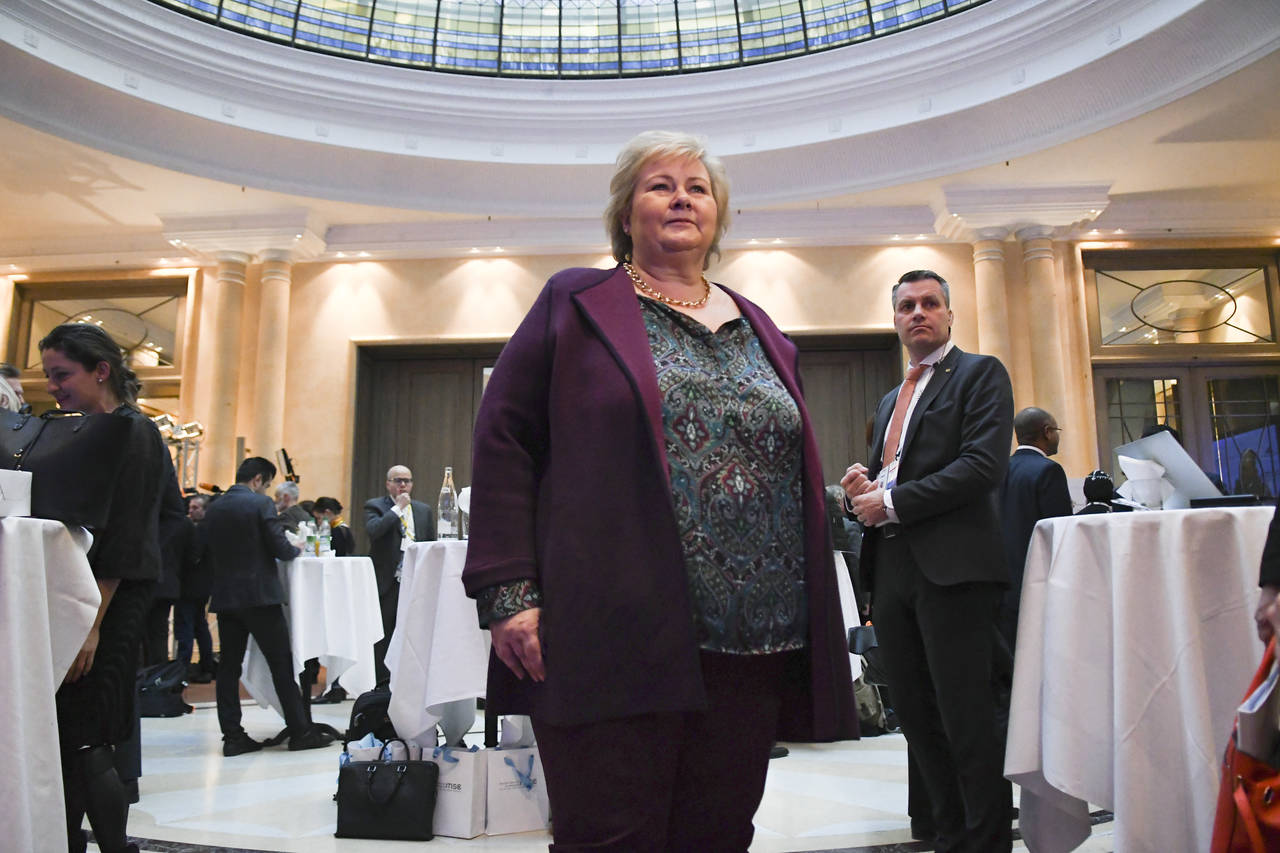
938, 648
191, 628
267, 626
388, 601
156, 641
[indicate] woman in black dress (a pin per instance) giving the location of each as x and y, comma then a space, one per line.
86, 372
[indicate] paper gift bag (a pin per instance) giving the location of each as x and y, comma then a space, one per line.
15, 493
460, 800
517, 792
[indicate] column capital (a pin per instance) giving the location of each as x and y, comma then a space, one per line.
1034, 232
256, 234
969, 212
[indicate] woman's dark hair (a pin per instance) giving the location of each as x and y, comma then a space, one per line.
330, 504
87, 345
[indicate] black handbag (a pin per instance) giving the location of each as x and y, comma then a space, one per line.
393, 800
73, 459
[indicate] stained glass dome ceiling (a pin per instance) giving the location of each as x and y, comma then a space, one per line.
569, 38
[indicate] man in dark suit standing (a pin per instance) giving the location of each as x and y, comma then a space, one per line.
392, 522
928, 504
1034, 487
245, 538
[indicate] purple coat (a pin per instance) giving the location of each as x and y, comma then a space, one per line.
570, 487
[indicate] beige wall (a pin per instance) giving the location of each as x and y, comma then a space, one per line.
335, 307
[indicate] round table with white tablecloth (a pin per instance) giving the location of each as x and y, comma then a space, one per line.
438, 655
332, 607
1135, 645
48, 601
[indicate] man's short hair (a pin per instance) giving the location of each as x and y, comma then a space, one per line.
920, 275
252, 467
1030, 423
8, 371
289, 487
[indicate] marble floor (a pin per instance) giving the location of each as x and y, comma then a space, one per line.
822, 797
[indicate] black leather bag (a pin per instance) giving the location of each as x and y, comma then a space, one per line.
387, 799
73, 459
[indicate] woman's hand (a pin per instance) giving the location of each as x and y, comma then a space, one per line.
516, 641
84, 660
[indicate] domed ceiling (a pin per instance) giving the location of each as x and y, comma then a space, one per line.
569, 38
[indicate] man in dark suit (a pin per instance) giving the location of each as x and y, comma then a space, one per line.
245, 538
928, 504
392, 522
1034, 487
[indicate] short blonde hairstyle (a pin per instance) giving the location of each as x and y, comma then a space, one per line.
634, 156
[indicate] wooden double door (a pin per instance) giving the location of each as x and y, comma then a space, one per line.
416, 406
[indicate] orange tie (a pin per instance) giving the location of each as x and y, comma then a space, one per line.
907, 388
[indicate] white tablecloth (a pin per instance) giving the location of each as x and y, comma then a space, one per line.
333, 615
438, 656
48, 600
1135, 644
848, 609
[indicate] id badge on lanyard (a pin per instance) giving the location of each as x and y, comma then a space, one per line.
888, 476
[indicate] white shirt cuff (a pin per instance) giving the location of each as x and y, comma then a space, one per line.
888, 506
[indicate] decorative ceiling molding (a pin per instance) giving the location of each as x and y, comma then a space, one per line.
969, 212
254, 234
997, 81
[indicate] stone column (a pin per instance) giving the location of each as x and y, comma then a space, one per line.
218, 456
273, 347
988, 277
1045, 322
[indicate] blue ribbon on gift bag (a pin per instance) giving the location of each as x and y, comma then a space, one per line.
526, 778
445, 753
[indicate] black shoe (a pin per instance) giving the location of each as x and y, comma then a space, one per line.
333, 696
310, 739
239, 744
778, 752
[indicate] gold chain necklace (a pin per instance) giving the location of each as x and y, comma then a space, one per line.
662, 297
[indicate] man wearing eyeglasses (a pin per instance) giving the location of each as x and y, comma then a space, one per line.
392, 522
1035, 487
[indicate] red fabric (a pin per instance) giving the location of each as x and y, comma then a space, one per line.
1248, 815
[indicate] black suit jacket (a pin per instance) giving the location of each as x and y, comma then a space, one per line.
385, 532
245, 538
953, 462
1270, 571
1035, 487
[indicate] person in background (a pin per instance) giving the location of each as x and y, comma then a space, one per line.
392, 522
1034, 487
96, 704
928, 506
245, 539
343, 543
288, 508
341, 539
11, 398
647, 508
190, 624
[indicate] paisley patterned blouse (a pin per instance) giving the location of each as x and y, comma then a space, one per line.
732, 436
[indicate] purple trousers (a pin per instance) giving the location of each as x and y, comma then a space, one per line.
687, 781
